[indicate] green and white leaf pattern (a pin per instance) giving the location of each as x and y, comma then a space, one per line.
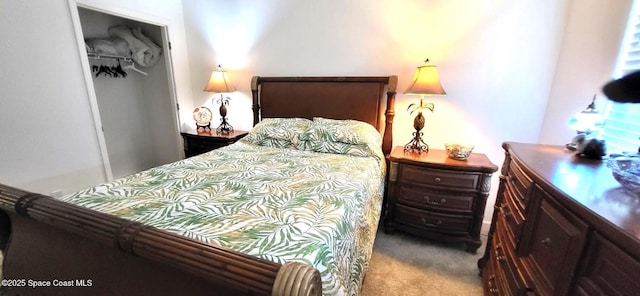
345, 131
342, 137
278, 132
276, 204
336, 147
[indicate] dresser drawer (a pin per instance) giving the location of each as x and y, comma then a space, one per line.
503, 274
553, 244
427, 198
610, 270
432, 221
491, 283
519, 182
512, 213
515, 278
440, 178
505, 227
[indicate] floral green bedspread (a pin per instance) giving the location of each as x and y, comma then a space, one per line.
276, 204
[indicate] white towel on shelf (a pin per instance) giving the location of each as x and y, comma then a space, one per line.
111, 46
156, 51
141, 52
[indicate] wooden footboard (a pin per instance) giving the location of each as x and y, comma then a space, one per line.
54, 248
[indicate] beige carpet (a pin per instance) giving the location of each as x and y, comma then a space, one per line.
404, 265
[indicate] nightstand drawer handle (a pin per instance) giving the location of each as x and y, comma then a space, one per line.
437, 179
424, 221
434, 202
546, 242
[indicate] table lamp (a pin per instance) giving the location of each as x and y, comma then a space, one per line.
586, 123
219, 83
426, 82
588, 120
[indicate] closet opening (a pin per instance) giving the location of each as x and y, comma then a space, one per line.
130, 82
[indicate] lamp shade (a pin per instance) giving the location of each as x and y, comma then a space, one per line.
219, 82
588, 120
426, 82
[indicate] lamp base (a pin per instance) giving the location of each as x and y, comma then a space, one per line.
225, 128
416, 144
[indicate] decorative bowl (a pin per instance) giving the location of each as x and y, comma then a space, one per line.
458, 151
626, 170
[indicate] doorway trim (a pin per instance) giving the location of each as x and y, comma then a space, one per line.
86, 67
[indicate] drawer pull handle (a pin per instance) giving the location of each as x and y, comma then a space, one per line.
492, 285
437, 179
424, 221
497, 252
506, 212
546, 242
434, 202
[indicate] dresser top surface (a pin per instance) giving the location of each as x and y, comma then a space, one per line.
588, 182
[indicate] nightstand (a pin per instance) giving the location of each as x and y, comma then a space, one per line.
436, 197
200, 142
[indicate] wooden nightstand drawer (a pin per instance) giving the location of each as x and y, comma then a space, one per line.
440, 178
432, 221
200, 142
199, 146
436, 197
423, 197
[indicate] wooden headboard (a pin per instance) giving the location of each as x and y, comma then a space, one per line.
359, 98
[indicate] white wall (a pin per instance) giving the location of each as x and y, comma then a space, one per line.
47, 136
588, 55
497, 61
496, 58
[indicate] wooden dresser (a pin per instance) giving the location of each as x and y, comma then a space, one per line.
434, 196
562, 225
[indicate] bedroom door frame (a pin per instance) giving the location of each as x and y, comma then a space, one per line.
163, 24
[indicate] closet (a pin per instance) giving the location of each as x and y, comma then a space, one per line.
137, 106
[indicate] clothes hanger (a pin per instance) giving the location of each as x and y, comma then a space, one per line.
104, 70
118, 69
132, 66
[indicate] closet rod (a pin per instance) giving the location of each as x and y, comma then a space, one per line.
108, 57
132, 66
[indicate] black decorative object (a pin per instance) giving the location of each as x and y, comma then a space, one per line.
425, 82
225, 128
219, 83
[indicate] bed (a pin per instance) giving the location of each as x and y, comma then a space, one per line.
161, 232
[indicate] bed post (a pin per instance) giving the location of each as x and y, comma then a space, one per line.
387, 140
256, 103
